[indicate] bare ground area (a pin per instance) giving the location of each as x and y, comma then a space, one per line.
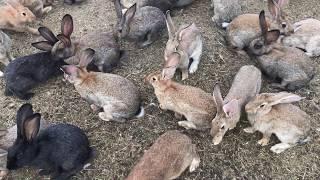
121, 145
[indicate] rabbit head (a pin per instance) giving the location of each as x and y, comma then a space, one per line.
279, 16
263, 103
155, 79
264, 44
23, 13
24, 149
77, 74
226, 112
60, 46
124, 20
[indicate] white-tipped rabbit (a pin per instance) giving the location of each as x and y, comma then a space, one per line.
245, 86
36, 6
288, 65
272, 113
170, 155
225, 11
5, 47
193, 103
143, 26
184, 46
117, 96
244, 28
306, 36
14, 16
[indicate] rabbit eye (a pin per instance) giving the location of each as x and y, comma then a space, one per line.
222, 127
284, 25
258, 46
24, 14
262, 105
154, 79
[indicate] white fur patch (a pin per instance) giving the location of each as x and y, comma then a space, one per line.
1, 74
225, 24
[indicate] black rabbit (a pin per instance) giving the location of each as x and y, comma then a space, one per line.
61, 150
26, 72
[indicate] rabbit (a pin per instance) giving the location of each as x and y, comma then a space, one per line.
143, 26
36, 7
5, 47
14, 16
290, 66
272, 113
170, 155
306, 36
116, 96
245, 28
245, 86
184, 47
164, 5
107, 48
225, 11
60, 150
193, 103
24, 73
47, 2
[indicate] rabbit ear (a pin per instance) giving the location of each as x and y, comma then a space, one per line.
22, 114
184, 31
70, 70
31, 127
130, 14
43, 45
118, 7
231, 107
48, 35
273, 9
217, 97
272, 36
67, 25
170, 26
65, 40
283, 98
86, 57
263, 24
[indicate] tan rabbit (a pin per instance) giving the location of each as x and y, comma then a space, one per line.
193, 103
306, 36
245, 86
184, 46
170, 155
244, 28
36, 6
272, 113
14, 16
116, 96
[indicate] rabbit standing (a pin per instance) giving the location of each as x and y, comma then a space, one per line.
61, 150
225, 11
290, 65
170, 155
24, 73
245, 28
116, 96
193, 103
245, 86
14, 16
272, 113
183, 48
5, 47
306, 36
143, 26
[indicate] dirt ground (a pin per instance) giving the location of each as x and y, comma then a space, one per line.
121, 145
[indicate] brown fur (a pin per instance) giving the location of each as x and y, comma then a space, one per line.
166, 159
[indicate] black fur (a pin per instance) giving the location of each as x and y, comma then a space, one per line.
60, 150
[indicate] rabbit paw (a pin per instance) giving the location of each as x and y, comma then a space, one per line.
1, 74
279, 148
194, 164
263, 141
177, 115
104, 116
249, 130
187, 125
185, 75
95, 108
193, 68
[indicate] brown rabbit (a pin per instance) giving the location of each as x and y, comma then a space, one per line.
244, 28
183, 48
193, 103
245, 86
14, 16
117, 96
36, 6
167, 158
272, 113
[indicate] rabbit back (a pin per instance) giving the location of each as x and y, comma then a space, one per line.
167, 158
226, 10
